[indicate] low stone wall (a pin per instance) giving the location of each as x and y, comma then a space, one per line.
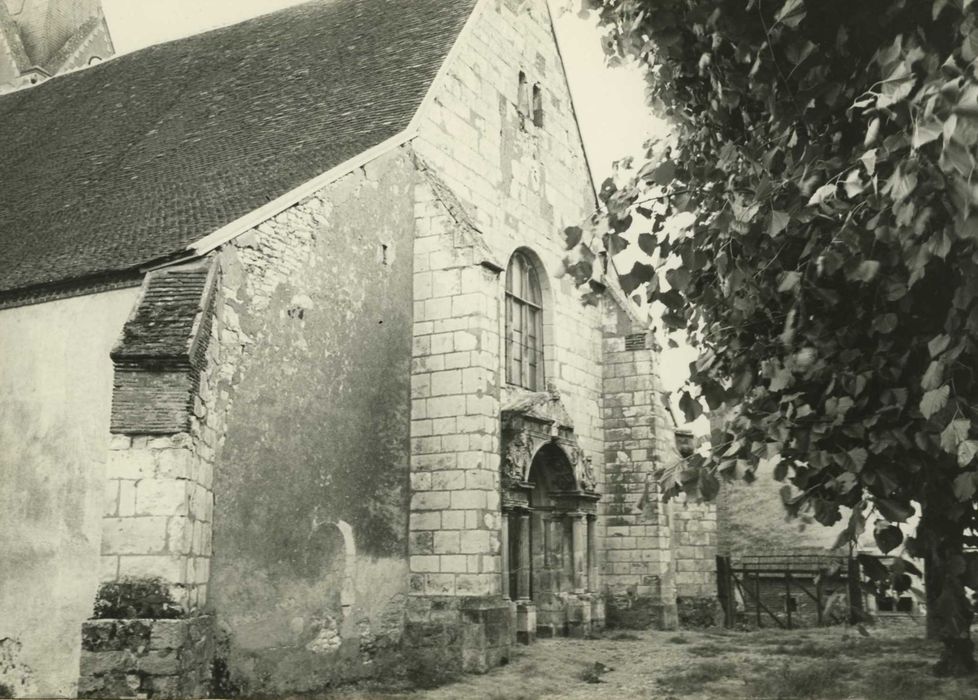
449, 635
631, 609
146, 658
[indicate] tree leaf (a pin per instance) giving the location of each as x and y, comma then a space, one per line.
709, 486
788, 495
779, 222
928, 130
789, 281
872, 567
822, 194
572, 236
894, 511
934, 400
614, 243
791, 13
664, 174
853, 184
965, 486
954, 434
678, 278
967, 450
866, 271
872, 134
781, 380
938, 344
884, 324
888, 537
638, 275
901, 185
856, 459
933, 376
691, 408
647, 243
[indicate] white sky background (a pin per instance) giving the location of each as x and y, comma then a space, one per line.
610, 103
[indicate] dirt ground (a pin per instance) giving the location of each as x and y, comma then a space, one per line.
826, 663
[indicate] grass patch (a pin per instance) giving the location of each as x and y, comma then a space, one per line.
592, 672
821, 679
708, 650
809, 650
873, 647
898, 683
694, 677
625, 637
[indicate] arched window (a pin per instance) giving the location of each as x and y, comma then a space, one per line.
524, 324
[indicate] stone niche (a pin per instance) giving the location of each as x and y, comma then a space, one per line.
549, 505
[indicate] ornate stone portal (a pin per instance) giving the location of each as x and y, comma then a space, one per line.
549, 506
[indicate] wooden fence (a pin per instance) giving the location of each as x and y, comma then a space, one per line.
756, 578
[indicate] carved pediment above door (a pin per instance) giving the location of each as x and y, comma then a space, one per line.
530, 422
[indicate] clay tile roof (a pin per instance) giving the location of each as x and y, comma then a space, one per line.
132, 160
162, 326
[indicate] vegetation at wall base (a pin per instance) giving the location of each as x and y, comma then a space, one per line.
812, 224
136, 598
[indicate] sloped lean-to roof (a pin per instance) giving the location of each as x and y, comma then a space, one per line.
129, 162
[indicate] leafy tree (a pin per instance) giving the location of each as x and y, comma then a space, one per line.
824, 160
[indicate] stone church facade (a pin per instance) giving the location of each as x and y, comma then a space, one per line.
298, 390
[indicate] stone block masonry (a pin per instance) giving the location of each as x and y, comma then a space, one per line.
159, 502
454, 545
159, 473
638, 565
146, 658
448, 634
158, 514
694, 539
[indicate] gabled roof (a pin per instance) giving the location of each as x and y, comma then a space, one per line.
107, 169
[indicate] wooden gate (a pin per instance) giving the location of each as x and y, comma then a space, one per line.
759, 581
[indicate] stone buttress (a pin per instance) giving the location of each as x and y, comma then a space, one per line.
148, 634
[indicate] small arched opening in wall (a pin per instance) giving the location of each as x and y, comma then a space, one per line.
347, 591
527, 331
337, 552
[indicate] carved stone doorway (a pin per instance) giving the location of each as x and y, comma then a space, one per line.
549, 508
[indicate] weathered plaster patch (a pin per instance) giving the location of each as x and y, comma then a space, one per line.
16, 678
313, 380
